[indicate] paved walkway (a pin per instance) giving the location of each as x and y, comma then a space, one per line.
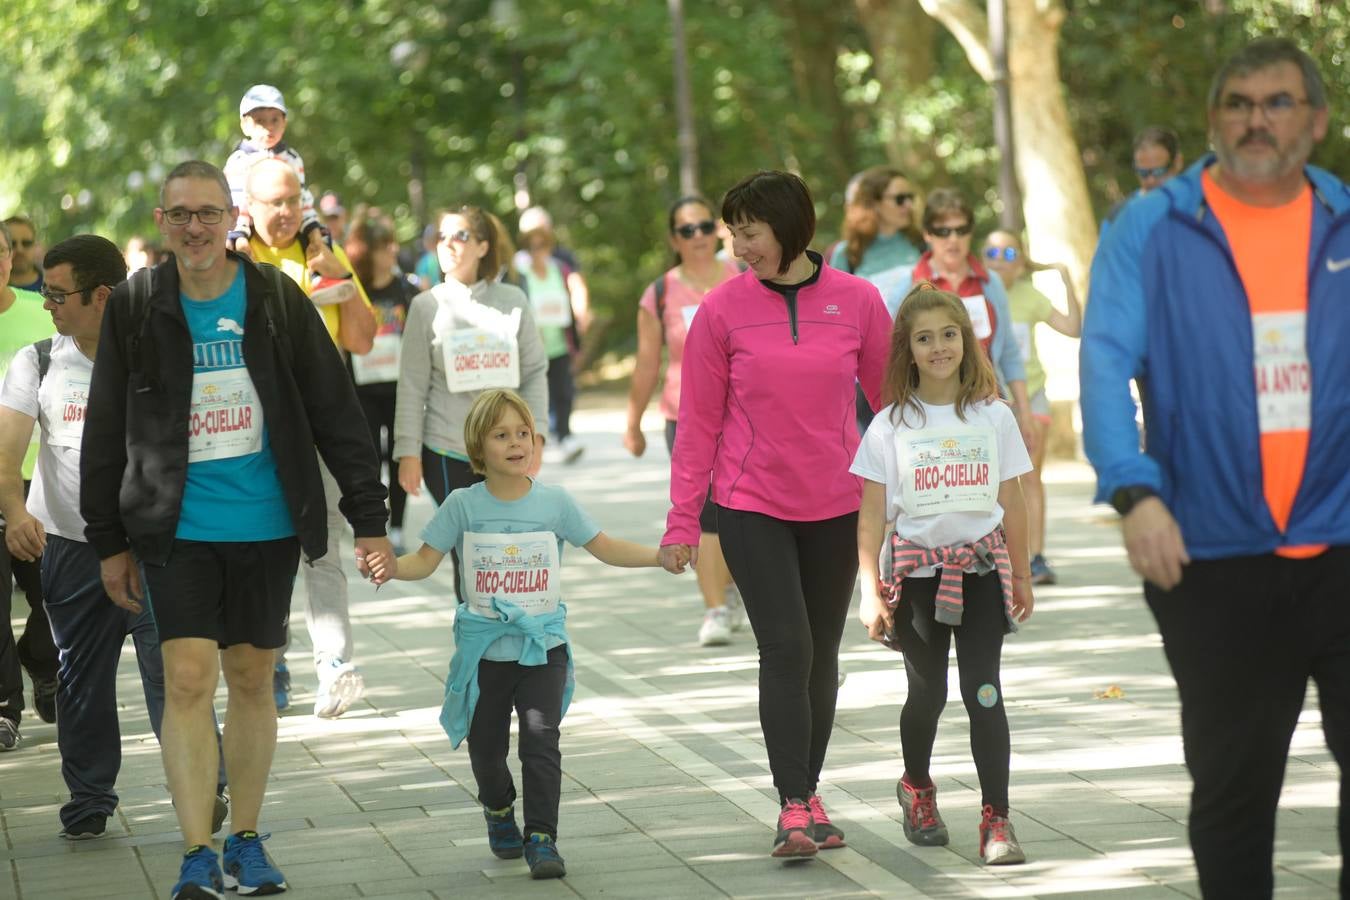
666, 788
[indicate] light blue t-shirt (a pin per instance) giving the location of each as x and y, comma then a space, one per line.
227, 497
546, 508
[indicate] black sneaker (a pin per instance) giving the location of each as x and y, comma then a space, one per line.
542, 855
44, 698
86, 829
9, 734
219, 811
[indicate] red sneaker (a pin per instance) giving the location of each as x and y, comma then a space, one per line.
825, 833
923, 825
998, 841
793, 840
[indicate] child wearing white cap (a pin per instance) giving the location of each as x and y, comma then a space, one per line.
262, 117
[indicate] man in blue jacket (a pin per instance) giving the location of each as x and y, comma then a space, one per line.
1226, 294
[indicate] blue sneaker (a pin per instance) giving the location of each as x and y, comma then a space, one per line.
199, 878
504, 838
248, 868
542, 855
281, 686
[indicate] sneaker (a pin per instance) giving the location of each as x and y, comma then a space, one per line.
793, 840
9, 734
281, 686
325, 291
86, 829
1041, 573
825, 833
715, 630
504, 838
569, 450
340, 685
542, 855
248, 868
219, 811
44, 698
199, 878
998, 841
735, 606
923, 825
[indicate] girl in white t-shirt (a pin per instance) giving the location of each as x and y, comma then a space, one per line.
940, 466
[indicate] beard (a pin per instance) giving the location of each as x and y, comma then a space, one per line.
1266, 169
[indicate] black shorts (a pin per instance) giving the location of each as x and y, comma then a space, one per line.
224, 591
707, 518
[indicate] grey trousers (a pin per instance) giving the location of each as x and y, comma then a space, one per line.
325, 584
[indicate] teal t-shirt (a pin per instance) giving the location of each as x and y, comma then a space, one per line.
503, 552
233, 492
548, 292
24, 323
888, 262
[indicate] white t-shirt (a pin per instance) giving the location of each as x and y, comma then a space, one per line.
58, 406
941, 474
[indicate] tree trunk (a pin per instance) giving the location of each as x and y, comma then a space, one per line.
813, 39
901, 37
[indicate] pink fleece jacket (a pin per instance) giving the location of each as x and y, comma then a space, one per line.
767, 415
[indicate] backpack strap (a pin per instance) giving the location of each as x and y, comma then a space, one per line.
274, 309
659, 291
139, 350
44, 357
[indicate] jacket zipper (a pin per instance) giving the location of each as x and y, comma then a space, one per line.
791, 299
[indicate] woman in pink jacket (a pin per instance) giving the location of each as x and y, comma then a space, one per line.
767, 416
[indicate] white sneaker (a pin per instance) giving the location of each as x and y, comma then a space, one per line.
570, 450
340, 685
736, 617
715, 630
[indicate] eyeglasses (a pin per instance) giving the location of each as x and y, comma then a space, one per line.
207, 215
291, 202
1007, 254
707, 226
463, 236
1155, 172
60, 297
898, 199
1276, 107
25, 243
943, 231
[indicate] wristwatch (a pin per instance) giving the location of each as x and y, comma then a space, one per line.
1124, 499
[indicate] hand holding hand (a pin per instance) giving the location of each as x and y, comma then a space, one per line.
674, 557
375, 559
876, 615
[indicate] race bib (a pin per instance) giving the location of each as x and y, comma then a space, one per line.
1283, 376
225, 419
479, 345
979, 316
948, 470
380, 365
1022, 332
688, 312
65, 412
551, 308
524, 569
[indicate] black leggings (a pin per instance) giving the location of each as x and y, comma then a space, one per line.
796, 579
442, 475
979, 645
377, 402
561, 392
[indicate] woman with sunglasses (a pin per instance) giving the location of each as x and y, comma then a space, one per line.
1004, 254
948, 222
464, 336
882, 241
664, 313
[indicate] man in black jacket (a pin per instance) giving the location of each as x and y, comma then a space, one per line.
213, 383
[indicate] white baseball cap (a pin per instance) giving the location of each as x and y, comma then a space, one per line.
534, 218
262, 96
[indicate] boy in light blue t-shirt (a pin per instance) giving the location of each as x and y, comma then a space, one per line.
511, 646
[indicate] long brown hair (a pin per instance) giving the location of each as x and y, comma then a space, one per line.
482, 228
860, 228
976, 372
371, 229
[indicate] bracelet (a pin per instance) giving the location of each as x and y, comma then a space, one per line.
1021, 577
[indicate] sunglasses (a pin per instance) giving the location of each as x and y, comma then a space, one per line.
898, 199
24, 242
943, 231
1155, 172
1007, 254
463, 236
707, 226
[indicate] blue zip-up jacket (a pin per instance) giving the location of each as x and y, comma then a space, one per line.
1167, 306
474, 634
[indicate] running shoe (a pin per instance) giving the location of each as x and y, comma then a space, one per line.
9, 734
248, 868
736, 617
570, 449
715, 630
541, 853
1041, 573
998, 841
923, 824
340, 685
44, 698
825, 833
793, 840
86, 829
281, 686
504, 837
219, 810
199, 877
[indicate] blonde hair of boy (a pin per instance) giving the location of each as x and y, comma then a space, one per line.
486, 412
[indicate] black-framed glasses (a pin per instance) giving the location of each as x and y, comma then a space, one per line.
1276, 107
1154, 172
707, 226
463, 236
1007, 254
60, 297
899, 199
207, 215
943, 231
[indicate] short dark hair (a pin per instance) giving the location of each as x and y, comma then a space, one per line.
946, 202
1263, 53
1158, 136
94, 260
780, 200
196, 168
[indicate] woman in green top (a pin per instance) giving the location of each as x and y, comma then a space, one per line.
546, 282
1004, 254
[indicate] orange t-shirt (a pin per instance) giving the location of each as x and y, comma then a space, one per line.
1270, 248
